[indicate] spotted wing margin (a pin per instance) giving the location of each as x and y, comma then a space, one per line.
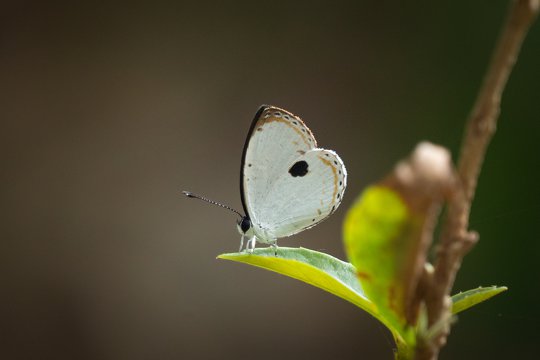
300, 202
275, 138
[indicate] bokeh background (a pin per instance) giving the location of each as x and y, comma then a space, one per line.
109, 110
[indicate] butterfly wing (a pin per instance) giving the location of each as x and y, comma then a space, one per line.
304, 195
287, 183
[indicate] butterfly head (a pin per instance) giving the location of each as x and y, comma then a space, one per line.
244, 226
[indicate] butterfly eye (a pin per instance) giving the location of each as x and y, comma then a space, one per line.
245, 224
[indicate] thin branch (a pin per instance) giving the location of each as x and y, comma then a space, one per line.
456, 240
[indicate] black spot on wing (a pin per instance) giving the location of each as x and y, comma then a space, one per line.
300, 168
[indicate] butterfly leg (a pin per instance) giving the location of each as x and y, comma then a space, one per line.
250, 246
241, 243
275, 247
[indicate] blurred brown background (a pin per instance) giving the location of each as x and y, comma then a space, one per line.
109, 110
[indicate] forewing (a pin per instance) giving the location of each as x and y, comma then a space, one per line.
275, 139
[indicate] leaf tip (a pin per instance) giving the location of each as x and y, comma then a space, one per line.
227, 256
470, 298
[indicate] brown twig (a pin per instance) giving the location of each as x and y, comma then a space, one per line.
456, 240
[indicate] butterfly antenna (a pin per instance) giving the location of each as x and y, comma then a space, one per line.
195, 196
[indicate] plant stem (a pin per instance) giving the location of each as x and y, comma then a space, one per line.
456, 240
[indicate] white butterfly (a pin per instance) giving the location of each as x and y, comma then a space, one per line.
287, 184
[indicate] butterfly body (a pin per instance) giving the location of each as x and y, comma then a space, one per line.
287, 183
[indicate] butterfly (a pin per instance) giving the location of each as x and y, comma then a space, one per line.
287, 183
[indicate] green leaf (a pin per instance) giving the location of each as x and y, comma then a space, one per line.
318, 269
381, 235
313, 267
469, 298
